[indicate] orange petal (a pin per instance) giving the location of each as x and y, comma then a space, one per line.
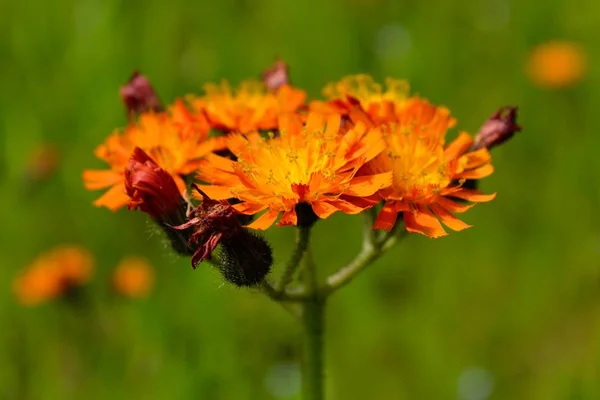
114, 198
453, 206
347, 207
367, 185
314, 123
422, 221
249, 208
386, 219
214, 192
204, 148
181, 185
478, 173
333, 125
264, 221
93, 179
289, 218
473, 195
376, 144
448, 219
458, 146
323, 209
219, 162
477, 158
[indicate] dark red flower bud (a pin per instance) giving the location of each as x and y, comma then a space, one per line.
139, 96
500, 127
212, 222
152, 189
276, 76
245, 259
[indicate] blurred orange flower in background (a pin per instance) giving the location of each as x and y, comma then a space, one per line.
176, 140
556, 64
41, 163
251, 106
133, 277
53, 274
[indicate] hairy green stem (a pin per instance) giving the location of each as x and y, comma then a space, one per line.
313, 321
292, 294
302, 235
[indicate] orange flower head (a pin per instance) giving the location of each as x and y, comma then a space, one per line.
176, 140
53, 274
133, 277
250, 107
556, 64
312, 164
427, 174
361, 90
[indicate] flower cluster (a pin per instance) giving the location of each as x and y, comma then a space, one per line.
261, 151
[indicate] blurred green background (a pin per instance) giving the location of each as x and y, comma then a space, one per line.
509, 309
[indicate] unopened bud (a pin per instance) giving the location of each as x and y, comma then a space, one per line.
139, 96
500, 127
153, 191
276, 76
245, 259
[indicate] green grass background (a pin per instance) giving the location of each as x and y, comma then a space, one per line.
510, 307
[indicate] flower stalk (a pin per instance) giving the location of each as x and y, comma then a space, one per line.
314, 326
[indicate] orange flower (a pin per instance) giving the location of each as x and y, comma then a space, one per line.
176, 140
250, 107
556, 64
133, 277
362, 91
52, 274
427, 175
313, 164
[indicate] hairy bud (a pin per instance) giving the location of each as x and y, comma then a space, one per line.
245, 258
